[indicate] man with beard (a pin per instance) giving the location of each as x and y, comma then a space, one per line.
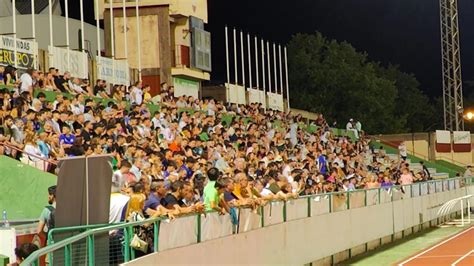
46, 220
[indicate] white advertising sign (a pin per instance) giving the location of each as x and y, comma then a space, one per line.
462, 137
77, 64
256, 96
113, 71
236, 94
275, 101
186, 87
443, 137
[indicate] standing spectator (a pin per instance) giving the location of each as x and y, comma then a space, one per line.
211, 196
468, 172
47, 217
136, 95
27, 80
402, 149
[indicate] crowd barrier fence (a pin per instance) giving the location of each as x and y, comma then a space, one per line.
110, 244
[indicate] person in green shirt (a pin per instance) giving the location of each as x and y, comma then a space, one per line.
211, 194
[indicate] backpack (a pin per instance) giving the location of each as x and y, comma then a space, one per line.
51, 221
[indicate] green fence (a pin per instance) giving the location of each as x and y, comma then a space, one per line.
110, 244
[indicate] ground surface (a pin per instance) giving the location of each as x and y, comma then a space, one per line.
436, 246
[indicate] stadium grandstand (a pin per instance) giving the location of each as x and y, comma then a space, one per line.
189, 175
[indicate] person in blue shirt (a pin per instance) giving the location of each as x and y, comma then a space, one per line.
66, 139
322, 162
157, 192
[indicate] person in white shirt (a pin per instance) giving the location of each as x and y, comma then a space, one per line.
350, 127
468, 172
403, 151
27, 81
136, 95
75, 85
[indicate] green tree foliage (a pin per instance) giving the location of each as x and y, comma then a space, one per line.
332, 78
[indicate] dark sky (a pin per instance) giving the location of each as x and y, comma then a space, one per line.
403, 32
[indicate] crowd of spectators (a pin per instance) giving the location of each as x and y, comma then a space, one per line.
172, 162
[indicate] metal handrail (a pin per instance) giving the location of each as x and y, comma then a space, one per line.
89, 234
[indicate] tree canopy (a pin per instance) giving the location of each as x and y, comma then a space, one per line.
333, 78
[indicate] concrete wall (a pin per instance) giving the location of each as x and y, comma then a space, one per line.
423, 145
314, 239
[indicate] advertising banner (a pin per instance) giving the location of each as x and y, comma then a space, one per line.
186, 87
113, 71
25, 54
443, 141
236, 94
275, 101
256, 96
77, 64
462, 141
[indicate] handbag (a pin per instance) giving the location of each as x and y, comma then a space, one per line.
139, 244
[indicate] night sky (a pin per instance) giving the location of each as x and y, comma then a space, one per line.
402, 32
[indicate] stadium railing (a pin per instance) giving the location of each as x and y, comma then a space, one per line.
44, 163
83, 245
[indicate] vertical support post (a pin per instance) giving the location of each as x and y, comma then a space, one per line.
275, 68
112, 41
198, 228
365, 198
256, 62
90, 250
284, 211
127, 240
227, 61
51, 44
33, 29
269, 68
348, 203
263, 76
125, 38
280, 68
330, 202
262, 220
309, 206
156, 231
97, 29
139, 43
66, 11
242, 57
250, 61
14, 34
67, 255
236, 74
287, 82
462, 213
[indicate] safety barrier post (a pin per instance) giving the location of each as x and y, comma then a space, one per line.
284, 211
90, 250
199, 228
156, 230
67, 255
365, 199
263, 216
348, 204
380, 192
309, 206
126, 245
330, 202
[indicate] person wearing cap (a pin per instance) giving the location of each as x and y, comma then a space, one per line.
46, 217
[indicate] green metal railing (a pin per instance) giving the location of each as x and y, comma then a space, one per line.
86, 245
